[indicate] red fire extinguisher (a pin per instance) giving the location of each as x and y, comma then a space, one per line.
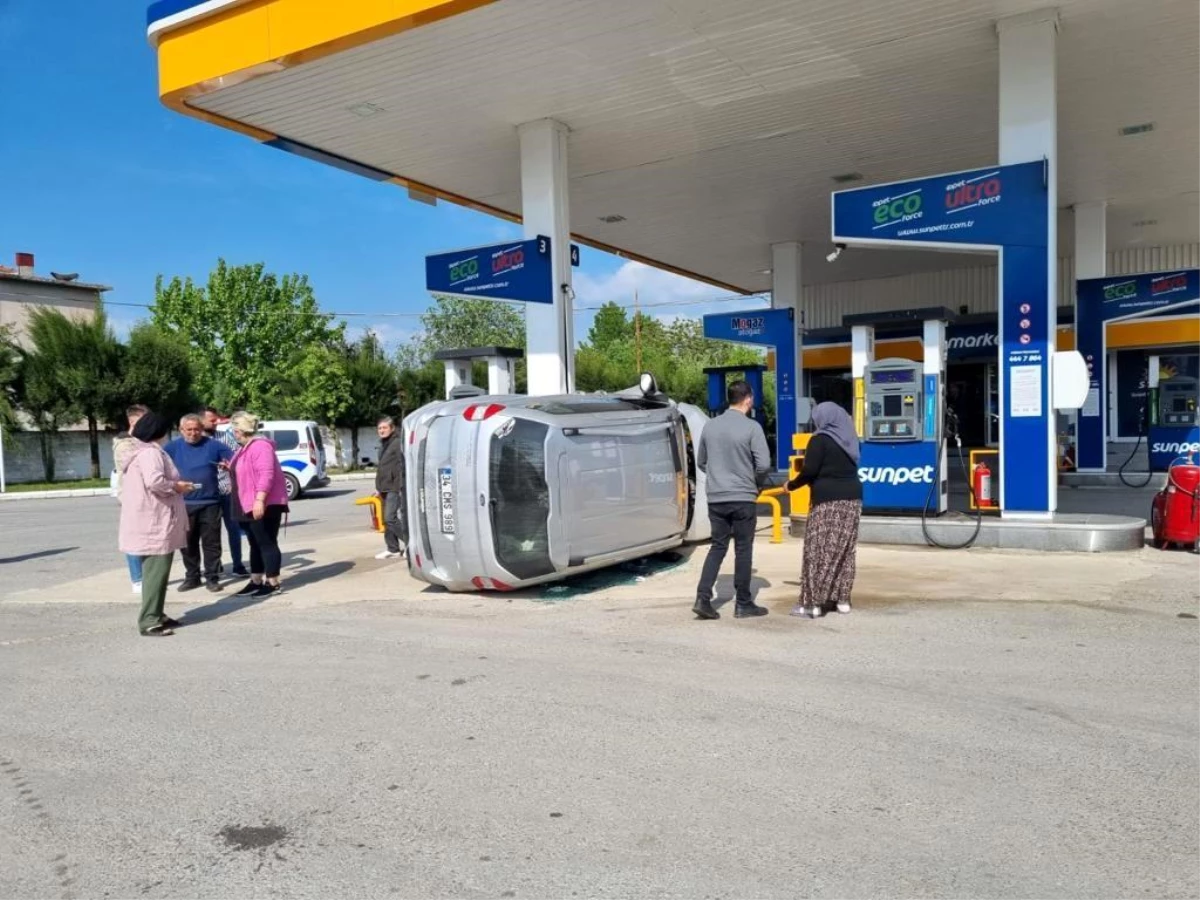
982, 485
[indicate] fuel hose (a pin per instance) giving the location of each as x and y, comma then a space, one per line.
929, 500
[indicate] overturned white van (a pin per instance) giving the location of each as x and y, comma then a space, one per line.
509, 491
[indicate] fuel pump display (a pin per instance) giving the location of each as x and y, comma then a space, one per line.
1177, 401
894, 406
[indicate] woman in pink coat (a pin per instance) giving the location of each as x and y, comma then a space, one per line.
154, 518
260, 502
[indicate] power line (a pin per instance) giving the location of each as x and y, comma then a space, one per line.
745, 298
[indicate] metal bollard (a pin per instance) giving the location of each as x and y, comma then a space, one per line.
771, 496
376, 511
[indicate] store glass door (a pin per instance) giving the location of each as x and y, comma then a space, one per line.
992, 428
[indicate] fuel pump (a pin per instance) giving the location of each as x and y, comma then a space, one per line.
898, 410
904, 426
1169, 422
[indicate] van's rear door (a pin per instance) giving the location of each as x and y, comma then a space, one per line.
446, 521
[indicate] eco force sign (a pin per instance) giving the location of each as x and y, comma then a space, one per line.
519, 270
981, 207
1003, 208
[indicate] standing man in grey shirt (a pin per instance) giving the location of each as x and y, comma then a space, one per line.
733, 455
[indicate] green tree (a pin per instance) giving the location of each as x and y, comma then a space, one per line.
10, 367
454, 323
374, 389
82, 360
158, 372
40, 396
312, 384
249, 333
610, 327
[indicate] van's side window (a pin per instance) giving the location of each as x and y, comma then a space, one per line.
286, 440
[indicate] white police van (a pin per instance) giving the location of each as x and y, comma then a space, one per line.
300, 451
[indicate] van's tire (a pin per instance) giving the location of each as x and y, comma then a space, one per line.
293, 487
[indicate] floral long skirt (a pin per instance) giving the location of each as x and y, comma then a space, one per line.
830, 546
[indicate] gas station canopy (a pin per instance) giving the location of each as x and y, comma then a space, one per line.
700, 132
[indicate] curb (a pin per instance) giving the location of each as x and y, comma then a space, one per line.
68, 493
56, 495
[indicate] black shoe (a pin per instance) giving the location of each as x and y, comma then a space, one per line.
157, 631
188, 585
748, 610
249, 589
240, 572
267, 590
214, 586
704, 610
168, 622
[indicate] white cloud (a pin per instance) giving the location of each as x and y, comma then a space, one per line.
661, 294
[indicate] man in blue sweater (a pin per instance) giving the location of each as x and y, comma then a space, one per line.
197, 457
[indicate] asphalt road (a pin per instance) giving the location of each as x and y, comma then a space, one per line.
51, 542
464, 746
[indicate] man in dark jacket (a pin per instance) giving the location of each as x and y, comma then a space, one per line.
389, 486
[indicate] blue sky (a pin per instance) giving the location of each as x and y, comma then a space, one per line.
100, 179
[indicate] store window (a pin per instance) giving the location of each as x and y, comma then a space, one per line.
834, 385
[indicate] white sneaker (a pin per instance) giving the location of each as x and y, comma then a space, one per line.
388, 554
137, 588
843, 606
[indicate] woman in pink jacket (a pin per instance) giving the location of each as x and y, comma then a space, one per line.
260, 501
154, 518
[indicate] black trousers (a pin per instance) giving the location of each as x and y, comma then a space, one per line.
736, 520
395, 521
263, 537
204, 533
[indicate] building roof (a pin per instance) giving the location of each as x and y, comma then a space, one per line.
41, 279
701, 132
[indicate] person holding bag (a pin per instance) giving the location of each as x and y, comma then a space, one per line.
260, 502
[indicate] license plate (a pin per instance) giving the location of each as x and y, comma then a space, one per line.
446, 494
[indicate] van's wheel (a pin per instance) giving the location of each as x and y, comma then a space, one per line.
293, 486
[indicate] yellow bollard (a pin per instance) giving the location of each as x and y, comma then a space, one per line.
798, 500
376, 511
771, 496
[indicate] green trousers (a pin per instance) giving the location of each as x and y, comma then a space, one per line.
156, 570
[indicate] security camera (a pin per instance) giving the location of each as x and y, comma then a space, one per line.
837, 251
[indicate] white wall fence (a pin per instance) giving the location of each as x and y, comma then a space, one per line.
72, 456
23, 453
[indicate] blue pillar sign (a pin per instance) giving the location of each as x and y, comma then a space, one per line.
1099, 301
1001, 208
767, 328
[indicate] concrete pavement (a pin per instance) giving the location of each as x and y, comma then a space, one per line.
984, 724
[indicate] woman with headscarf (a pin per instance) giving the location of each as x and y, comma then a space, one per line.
831, 533
154, 519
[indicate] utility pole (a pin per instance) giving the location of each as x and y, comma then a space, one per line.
637, 331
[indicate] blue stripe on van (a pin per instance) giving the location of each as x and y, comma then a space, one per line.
296, 464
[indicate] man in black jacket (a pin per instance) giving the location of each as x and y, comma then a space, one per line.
389, 486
